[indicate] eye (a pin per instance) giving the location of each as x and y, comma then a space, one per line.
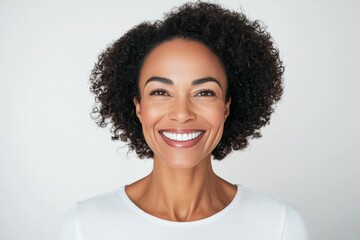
159, 92
206, 93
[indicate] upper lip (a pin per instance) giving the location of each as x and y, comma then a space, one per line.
181, 130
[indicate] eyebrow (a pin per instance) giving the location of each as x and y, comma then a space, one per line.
194, 82
160, 79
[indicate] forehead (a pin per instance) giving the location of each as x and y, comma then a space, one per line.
182, 59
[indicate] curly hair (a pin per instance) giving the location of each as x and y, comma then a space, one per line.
253, 68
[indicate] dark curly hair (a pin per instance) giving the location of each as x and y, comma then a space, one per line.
251, 61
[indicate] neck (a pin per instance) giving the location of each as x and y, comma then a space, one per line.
183, 187
182, 194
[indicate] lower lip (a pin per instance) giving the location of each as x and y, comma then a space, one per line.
182, 144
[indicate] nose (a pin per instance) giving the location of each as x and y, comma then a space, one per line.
182, 110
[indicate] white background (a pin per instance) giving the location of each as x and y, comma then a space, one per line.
52, 154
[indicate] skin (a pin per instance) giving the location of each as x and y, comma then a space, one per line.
182, 185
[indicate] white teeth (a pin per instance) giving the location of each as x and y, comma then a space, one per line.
179, 137
182, 136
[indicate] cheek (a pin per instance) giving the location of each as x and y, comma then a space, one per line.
215, 114
151, 113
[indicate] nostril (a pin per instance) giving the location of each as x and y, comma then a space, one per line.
181, 113
181, 116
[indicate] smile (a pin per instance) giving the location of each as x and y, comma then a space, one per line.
182, 138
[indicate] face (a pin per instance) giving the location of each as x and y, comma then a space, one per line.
182, 109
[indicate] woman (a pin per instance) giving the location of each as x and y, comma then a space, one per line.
201, 83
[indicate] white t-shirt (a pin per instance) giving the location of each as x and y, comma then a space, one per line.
250, 216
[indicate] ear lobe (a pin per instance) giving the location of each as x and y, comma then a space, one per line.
137, 108
227, 108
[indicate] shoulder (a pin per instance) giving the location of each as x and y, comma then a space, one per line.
100, 202
70, 227
102, 206
294, 226
274, 212
261, 203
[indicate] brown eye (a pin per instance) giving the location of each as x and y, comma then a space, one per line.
159, 92
206, 93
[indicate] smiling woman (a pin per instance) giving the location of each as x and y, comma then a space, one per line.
177, 105
202, 83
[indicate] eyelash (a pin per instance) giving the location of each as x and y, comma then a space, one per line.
207, 91
157, 91
163, 92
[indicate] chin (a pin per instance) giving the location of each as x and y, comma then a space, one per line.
184, 162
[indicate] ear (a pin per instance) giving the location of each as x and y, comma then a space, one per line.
227, 108
137, 108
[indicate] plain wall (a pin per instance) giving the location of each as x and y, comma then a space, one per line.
52, 154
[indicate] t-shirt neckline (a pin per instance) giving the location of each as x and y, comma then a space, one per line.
161, 221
